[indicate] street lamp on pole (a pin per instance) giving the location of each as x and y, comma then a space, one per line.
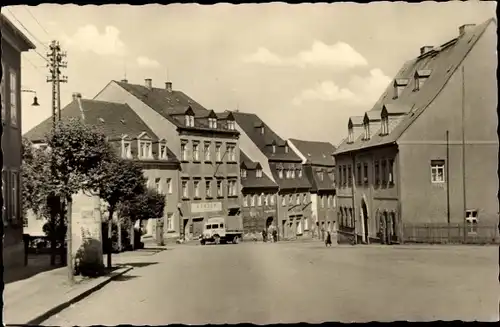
35, 99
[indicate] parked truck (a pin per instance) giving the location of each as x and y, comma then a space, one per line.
222, 230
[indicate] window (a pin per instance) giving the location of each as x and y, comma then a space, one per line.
391, 171
126, 149
350, 136
208, 189
4, 196
272, 199
196, 151
304, 198
196, 189
163, 151
189, 120
158, 185
169, 185
349, 175
274, 148
297, 199
258, 173
280, 173
262, 130
322, 201
231, 152
218, 156
384, 126
306, 224
2, 90
212, 122
367, 131
231, 125
365, 173
471, 219
358, 174
170, 222
320, 175
184, 151
259, 200
253, 200
384, 172
15, 196
245, 201
283, 200
299, 173
377, 172
286, 148
145, 150
334, 201
219, 189
231, 188
185, 190
13, 98
290, 199
437, 171
206, 151
292, 173
243, 173
266, 199
351, 218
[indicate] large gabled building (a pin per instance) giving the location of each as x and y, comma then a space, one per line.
280, 163
205, 142
132, 139
14, 42
424, 159
319, 167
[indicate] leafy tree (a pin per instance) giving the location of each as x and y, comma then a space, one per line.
149, 204
122, 179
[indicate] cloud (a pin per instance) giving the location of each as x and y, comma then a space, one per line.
88, 38
360, 90
147, 62
339, 56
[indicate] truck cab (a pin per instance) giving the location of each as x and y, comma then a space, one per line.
216, 230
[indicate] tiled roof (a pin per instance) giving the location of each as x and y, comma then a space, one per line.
442, 62
251, 124
252, 181
172, 105
114, 119
291, 183
317, 184
316, 153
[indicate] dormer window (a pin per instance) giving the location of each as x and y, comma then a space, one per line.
292, 173
145, 149
189, 120
420, 78
350, 135
162, 153
286, 148
126, 149
212, 122
399, 85
274, 148
243, 173
231, 125
367, 131
384, 126
299, 173
280, 173
262, 130
258, 173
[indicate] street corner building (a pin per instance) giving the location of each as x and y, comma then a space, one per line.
284, 167
132, 139
319, 167
421, 165
205, 142
14, 42
259, 193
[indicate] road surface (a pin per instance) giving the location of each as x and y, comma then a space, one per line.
297, 282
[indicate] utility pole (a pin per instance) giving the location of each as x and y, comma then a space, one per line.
55, 56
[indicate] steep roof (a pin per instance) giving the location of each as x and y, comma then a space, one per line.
439, 64
173, 105
23, 42
251, 180
114, 119
251, 124
318, 184
316, 153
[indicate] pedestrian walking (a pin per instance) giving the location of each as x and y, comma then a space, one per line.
328, 241
275, 235
264, 235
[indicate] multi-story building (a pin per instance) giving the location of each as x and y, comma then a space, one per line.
14, 42
132, 139
319, 167
427, 152
259, 194
206, 143
261, 144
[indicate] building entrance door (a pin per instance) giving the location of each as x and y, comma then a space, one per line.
365, 221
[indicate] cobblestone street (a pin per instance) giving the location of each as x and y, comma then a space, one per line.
291, 282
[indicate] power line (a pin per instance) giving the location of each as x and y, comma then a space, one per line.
36, 20
34, 66
27, 30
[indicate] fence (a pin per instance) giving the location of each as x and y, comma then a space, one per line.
453, 233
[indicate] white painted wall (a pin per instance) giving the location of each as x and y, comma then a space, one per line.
314, 207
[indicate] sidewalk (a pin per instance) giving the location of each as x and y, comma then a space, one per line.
34, 299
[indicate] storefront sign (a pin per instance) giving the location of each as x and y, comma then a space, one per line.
206, 207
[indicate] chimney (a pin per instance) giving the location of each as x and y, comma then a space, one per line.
124, 80
149, 83
465, 28
74, 96
425, 49
78, 97
168, 86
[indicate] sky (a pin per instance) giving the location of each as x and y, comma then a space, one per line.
304, 69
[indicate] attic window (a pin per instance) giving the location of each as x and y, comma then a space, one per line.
299, 172
189, 120
280, 173
126, 149
231, 125
399, 85
286, 148
350, 135
243, 173
162, 153
212, 122
384, 130
262, 130
367, 131
420, 78
145, 149
258, 173
274, 148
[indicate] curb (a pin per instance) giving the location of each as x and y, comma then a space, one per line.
55, 310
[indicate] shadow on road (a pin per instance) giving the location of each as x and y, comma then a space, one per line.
124, 278
36, 264
138, 264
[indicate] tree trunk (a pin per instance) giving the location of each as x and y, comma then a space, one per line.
62, 237
110, 235
69, 241
132, 235
119, 232
52, 228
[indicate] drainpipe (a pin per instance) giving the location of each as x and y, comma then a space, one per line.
463, 156
353, 185
448, 181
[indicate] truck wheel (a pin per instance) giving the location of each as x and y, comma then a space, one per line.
236, 240
216, 239
202, 242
